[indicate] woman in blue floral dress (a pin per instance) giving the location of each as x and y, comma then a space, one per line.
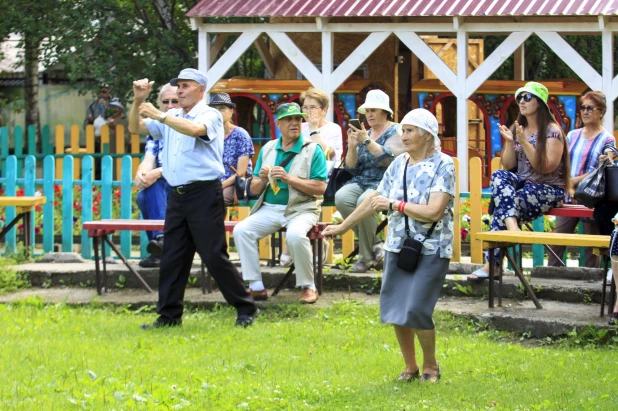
237, 147
535, 145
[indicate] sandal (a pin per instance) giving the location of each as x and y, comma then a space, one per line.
613, 320
361, 267
432, 378
409, 376
480, 275
378, 251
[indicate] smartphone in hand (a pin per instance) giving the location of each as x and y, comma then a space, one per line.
355, 122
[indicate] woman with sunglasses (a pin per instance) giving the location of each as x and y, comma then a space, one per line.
586, 144
237, 146
535, 148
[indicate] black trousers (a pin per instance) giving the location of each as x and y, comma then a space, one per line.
195, 221
604, 212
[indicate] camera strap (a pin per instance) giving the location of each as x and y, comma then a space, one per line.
405, 199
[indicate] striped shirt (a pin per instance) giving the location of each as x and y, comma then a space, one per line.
584, 153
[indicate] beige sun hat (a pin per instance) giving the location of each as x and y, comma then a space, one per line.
376, 99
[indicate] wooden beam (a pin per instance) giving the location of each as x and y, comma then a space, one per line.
519, 63
357, 57
462, 108
458, 23
430, 59
297, 57
327, 70
218, 43
230, 56
608, 78
494, 61
320, 22
203, 56
269, 62
572, 58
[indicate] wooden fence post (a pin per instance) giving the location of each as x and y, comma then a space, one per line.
67, 204
87, 203
49, 165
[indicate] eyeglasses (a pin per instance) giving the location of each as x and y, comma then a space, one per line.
588, 109
309, 108
526, 96
169, 101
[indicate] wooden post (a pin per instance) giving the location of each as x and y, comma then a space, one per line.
75, 150
476, 210
59, 150
327, 216
462, 106
456, 217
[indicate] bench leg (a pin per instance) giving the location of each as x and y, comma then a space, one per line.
27, 240
521, 277
126, 263
500, 274
103, 258
492, 263
318, 265
97, 270
604, 287
285, 278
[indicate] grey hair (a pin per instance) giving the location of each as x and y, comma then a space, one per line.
164, 89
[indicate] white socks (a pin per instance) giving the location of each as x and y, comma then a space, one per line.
256, 285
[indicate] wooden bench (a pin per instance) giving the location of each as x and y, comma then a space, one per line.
99, 231
503, 240
572, 210
24, 207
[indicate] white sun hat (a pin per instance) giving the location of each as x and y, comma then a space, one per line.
424, 119
376, 99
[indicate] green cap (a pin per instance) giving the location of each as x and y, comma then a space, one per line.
289, 109
536, 89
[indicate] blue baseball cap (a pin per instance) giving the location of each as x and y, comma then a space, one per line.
190, 74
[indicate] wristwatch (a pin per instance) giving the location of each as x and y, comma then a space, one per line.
367, 141
162, 117
390, 204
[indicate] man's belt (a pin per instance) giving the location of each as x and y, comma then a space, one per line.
186, 188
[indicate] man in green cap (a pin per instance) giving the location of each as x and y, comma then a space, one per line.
290, 174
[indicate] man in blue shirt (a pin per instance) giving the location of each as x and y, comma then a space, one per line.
290, 174
194, 219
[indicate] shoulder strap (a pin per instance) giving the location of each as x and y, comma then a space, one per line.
405, 198
291, 156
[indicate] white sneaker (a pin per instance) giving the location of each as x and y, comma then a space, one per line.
285, 260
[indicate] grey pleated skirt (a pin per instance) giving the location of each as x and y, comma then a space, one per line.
408, 299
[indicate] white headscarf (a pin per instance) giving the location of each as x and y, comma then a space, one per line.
422, 118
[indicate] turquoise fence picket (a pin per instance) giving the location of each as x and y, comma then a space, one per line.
45, 143
126, 204
107, 169
538, 250
29, 190
31, 140
67, 204
87, 204
11, 190
49, 172
18, 139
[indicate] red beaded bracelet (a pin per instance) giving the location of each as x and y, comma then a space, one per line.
401, 207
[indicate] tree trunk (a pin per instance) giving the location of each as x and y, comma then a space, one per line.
31, 86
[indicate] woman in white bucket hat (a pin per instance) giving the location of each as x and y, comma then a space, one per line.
369, 153
408, 298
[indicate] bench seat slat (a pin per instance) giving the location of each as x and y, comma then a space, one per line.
490, 238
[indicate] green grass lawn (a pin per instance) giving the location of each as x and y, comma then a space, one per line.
295, 357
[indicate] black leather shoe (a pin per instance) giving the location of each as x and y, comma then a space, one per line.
150, 262
161, 324
155, 246
245, 320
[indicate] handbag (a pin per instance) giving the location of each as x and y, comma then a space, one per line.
611, 177
338, 177
591, 190
411, 251
243, 184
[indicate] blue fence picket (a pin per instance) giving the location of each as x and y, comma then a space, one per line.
11, 190
126, 205
4, 149
87, 164
18, 139
49, 171
67, 204
30, 189
31, 140
45, 143
107, 170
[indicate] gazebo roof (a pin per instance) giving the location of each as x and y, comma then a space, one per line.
402, 8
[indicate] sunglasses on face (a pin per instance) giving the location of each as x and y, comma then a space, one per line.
588, 109
527, 97
169, 101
